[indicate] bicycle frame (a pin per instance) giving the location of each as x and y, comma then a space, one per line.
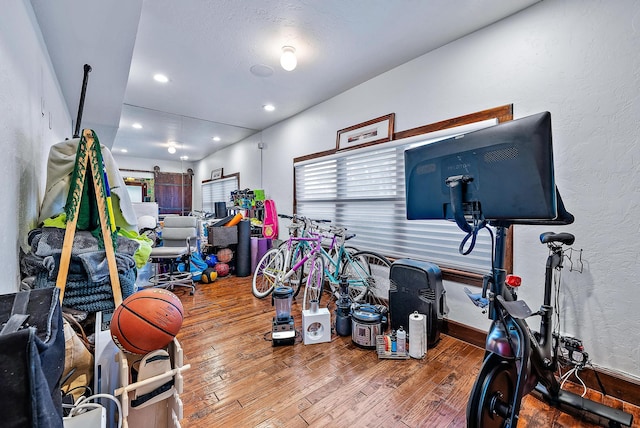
314, 250
334, 264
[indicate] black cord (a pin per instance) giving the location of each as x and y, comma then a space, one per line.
478, 225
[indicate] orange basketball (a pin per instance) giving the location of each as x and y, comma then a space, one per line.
146, 321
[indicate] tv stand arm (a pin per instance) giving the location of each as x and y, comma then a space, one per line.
455, 184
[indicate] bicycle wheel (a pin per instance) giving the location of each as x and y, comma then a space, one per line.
490, 401
313, 288
368, 275
268, 273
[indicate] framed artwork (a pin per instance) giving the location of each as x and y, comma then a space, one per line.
373, 131
216, 174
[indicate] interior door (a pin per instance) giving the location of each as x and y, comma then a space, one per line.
173, 192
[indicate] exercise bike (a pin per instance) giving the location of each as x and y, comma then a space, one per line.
501, 176
518, 361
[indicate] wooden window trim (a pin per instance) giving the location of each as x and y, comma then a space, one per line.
502, 113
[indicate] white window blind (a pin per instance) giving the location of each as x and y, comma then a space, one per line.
217, 191
364, 191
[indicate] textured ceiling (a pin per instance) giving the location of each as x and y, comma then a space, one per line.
207, 48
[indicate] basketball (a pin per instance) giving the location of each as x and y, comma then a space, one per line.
225, 255
222, 269
146, 321
209, 275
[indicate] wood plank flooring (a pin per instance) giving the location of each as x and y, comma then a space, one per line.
237, 379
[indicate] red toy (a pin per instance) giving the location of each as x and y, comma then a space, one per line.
222, 269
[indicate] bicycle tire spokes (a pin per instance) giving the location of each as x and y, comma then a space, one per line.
268, 273
368, 278
315, 280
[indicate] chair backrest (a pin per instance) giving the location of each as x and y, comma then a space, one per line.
177, 229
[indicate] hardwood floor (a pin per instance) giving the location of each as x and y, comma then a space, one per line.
237, 379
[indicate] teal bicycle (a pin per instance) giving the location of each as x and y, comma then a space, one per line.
325, 257
367, 272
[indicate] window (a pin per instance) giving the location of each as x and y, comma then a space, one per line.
363, 190
218, 191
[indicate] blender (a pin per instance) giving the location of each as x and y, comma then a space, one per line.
283, 331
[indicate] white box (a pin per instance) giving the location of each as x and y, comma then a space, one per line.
316, 326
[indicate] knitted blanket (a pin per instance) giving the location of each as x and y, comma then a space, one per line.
86, 295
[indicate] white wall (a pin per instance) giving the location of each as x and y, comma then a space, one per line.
580, 61
144, 164
33, 117
243, 158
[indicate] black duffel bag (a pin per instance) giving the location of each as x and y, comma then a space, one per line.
31, 359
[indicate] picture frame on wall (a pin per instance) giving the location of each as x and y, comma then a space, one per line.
216, 174
374, 131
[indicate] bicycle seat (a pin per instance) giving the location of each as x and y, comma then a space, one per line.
564, 238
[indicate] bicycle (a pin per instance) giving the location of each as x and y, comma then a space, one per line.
274, 268
518, 361
299, 227
367, 272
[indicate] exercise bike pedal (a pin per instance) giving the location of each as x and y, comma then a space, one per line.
516, 308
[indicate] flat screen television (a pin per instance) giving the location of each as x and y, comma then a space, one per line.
509, 168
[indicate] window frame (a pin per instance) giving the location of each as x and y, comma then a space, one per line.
501, 114
223, 178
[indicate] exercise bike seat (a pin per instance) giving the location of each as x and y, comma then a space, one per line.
564, 238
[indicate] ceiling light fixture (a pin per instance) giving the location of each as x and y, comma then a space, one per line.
171, 149
160, 78
269, 107
288, 60
124, 150
216, 138
136, 126
184, 158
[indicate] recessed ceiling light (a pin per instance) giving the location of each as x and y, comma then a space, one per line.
216, 138
261, 70
269, 107
160, 78
184, 157
124, 150
136, 125
171, 149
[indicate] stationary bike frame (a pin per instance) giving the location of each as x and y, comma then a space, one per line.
511, 346
534, 354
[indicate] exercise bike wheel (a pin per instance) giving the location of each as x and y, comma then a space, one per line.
492, 395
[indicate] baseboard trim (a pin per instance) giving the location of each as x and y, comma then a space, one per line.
615, 384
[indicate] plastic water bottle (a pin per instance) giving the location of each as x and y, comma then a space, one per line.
401, 337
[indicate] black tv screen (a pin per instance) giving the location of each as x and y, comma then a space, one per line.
510, 166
